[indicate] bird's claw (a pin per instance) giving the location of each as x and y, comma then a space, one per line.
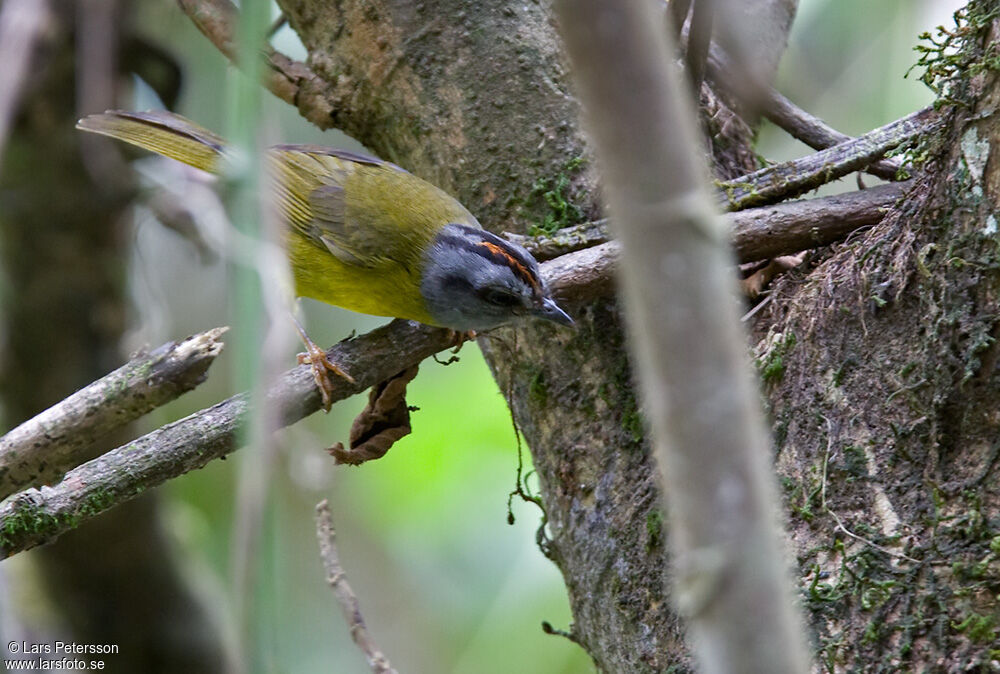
322, 368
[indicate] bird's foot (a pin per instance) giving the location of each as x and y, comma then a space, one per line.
322, 368
459, 338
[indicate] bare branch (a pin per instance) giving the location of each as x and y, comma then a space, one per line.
811, 130
42, 447
190, 443
290, 80
793, 226
700, 400
792, 178
816, 133
35, 516
337, 578
757, 233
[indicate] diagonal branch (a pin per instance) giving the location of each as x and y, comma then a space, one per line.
816, 133
757, 233
807, 128
336, 577
292, 81
795, 177
35, 516
40, 448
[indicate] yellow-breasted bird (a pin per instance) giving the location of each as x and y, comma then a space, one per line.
366, 235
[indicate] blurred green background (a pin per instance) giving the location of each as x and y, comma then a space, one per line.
446, 585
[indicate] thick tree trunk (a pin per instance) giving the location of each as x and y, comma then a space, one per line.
884, 403
881, 367
475, 97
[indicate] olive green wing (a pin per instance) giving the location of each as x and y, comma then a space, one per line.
362, 210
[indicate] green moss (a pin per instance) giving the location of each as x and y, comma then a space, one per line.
562, 209
632, 422
801, 497
537, 389
855, 461
96, 503
838, 376
654, 530
950, 58
28, 521
771, 364
981, 629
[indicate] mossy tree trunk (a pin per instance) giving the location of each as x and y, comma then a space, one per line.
884, 413
475, 97
885, 405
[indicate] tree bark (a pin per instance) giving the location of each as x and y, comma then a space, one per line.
880, 368
883, 401
475, 98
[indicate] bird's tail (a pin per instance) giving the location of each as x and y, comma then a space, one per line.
162, 132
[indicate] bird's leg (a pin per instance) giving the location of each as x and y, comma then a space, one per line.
322, 366
461, 337
457, 338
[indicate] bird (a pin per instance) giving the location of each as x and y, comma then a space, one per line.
366, 235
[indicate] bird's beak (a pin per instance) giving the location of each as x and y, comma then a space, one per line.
550, 311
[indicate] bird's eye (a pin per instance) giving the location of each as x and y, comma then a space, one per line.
501, 298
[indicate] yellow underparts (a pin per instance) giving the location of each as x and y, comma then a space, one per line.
385, 290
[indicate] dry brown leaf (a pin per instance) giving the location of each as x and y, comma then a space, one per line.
384, 420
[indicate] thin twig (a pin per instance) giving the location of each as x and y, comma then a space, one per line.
22, 23
795, 177
811, 130
277, 25
337, 578
801, 125
290, 80
40, 448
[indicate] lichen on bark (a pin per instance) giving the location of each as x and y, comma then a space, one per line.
885, 414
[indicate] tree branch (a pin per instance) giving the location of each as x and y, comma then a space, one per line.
290, 80
792, 178
337, 579
811, 130
42, 447
35, 516
757, 233
793, 226
816, 133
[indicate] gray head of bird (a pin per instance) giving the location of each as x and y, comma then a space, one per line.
474, 280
